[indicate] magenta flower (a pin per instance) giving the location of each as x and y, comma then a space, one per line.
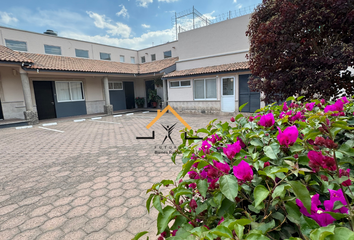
297, 116
223, 167
243, 171
192, 185
232, 149
285, 107
267, 120
193, 204
316, 160
337, 106
232, 119
221, 220
205, 147
242, 144
309, 106
329, 163
342, 173
288, 136
193, 175
345, 100
335, 195
214, 138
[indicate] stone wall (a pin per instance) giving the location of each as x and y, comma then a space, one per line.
95, 106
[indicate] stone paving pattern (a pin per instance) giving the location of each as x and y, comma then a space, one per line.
88, 182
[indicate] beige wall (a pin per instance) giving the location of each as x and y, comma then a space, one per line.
158, 51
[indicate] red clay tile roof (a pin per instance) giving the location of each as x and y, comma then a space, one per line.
157, 66
230, 67
9, 55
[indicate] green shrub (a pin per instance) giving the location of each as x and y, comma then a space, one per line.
283, 173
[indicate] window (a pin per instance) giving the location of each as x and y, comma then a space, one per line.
121, 58
69, 91
81, 53
176, 84
105, 56
48, 49
167, 54
205, 88
16, 45
142, 59
132, 59
153, 57
115, 86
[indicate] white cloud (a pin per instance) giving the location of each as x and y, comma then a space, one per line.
103, 22
145, 25
123, 12
235, 1
6, 18
144, 3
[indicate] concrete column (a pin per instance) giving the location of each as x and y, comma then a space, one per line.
30, 115
108, 108
164, 88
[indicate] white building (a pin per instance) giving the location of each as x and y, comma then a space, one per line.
48, 76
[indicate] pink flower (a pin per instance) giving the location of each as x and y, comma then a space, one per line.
232, 149
335, 195
242, 144
309, 106
323, 101
192, 185
173, 233
223, 167
338, 106
221, 220
342, 173
285, 107
193, 204
214, 138
297, 116
316, 160
266, 164
345, 100
267, 120
193, 175
251, 118
243, 171
232, 119
288, 136
205, 147
329, 163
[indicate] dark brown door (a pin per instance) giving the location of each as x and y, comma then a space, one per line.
129, 94
43, 91
149, 85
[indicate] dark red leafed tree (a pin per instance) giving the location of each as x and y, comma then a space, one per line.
301, 47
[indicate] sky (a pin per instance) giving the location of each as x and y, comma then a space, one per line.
133, 24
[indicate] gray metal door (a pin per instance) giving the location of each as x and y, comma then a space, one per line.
245, 95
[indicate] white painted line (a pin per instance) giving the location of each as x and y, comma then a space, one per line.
79, 120
117, 115
95, 118
51, 129
105, 122
129, 114
49, 124
146, 112
24, 127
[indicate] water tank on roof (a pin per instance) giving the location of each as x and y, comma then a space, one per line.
51, 32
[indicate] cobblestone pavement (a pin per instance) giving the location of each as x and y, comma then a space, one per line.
87, 180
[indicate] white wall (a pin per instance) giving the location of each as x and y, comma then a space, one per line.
158, 51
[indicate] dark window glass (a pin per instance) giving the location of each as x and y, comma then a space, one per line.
174, 84
142, 59
16, 45
153, 57
185, 83
81, 53
105, 56
167, 54
52, 50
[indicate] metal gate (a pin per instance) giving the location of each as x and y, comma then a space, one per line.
246, 96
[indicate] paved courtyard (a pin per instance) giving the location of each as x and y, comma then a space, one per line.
85, 180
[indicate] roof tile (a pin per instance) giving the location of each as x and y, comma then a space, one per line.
8, 55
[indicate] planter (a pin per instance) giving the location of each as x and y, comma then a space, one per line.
154, 104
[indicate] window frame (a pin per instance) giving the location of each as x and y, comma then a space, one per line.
164, 56
143, 57
120, 58
113, 86
52, 53
88, 55
82, 89
154, 57
205, 93
16, 41
132, 58
180, 85
110, 59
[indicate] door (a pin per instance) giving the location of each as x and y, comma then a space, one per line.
1, 115
246, 96
228, 94
149, 85
129, 94
43, 92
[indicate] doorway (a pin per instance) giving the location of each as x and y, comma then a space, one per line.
228, 94
43, 92
129, 94
246, 96
1, 114
149, 85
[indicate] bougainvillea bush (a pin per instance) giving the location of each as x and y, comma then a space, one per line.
283, 173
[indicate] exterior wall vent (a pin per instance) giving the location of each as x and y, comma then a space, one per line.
51, 32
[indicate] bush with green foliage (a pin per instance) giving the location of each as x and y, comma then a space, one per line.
283, 173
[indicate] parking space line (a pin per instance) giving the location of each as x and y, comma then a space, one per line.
79, 120
49, 124
51, 129
117, 115
24, 127
129, 114
104, 122
146, 112
95, 118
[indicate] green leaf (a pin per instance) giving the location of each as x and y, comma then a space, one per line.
187, 167
342, 126
139, 235
182, 192
256, 142
338, 216
260, 193
280, 191
239, 230
179, 221
216, 156
272, 150
296, 148
164, 218
289, 99
167, 182
202, 186
346, 149
265, 227
229, 186
242, 106
256, 236
201, 208
222, 231
293, 212
335, 130
157, 203
302, 193
322, 233
227, 207
148, 202
341, 233
203, 130
312, 134
307, 225
299, 98
238, 116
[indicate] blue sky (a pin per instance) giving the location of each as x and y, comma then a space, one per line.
134, 24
